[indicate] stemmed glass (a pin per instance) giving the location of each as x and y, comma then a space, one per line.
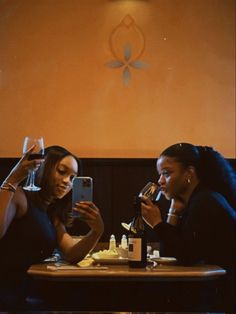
151, 191
37, 153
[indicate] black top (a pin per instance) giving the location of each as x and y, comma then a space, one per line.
28, 240
205, 233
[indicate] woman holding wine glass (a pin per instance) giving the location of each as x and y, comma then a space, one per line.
37, 153
201, 222
33, 223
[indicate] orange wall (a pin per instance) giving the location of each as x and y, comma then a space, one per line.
54, 80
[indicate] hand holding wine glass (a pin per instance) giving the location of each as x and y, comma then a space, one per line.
36, 153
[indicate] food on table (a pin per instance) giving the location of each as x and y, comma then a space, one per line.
104, 254
86, 262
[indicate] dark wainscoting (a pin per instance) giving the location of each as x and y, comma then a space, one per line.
116, 182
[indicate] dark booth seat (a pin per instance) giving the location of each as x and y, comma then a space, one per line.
116, 182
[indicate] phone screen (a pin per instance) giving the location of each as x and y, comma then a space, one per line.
82, 190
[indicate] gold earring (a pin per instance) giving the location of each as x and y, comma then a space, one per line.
189, 181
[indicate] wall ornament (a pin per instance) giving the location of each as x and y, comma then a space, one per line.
127, 45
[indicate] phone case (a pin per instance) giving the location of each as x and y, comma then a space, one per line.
82, 190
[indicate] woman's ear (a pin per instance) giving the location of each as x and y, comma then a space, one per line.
191, 172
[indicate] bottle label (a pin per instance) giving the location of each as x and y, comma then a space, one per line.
135, 249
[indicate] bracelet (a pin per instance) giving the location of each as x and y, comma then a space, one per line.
173, 211
173, 215
7, 186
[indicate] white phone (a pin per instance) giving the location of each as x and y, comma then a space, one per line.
82, 190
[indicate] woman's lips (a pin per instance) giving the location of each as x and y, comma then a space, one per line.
163, 190
62, 189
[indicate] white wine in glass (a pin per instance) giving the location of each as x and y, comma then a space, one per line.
37, 153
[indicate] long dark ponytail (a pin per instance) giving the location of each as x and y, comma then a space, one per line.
216, 172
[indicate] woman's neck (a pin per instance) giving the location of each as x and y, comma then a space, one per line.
186, 196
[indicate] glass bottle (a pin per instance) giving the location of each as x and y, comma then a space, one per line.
137, 240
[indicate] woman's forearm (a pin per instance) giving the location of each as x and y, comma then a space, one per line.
75, 251
83, 246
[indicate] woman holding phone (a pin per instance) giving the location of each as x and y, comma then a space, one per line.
33, 224
201, 222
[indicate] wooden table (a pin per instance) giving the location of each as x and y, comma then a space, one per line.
161, 272
119, 288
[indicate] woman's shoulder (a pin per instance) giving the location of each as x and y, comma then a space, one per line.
206, 198
203, 192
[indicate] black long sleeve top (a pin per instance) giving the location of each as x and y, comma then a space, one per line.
205, 233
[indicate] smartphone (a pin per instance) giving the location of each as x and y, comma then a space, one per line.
82, 190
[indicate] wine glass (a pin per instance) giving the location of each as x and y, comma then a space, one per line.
151, 191
37, 153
